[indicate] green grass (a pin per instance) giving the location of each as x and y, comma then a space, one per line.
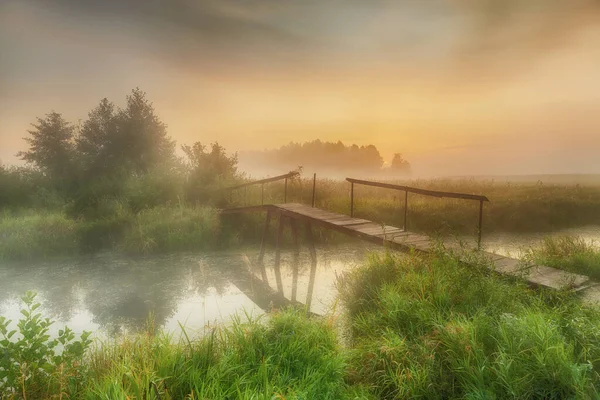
434, 329
513, 207
34, 236
37, 235
287, 356
169, 229
420, 327
570, 253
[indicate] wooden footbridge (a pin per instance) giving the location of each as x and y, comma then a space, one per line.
401, 238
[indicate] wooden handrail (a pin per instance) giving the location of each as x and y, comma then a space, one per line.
267, 180
425, 192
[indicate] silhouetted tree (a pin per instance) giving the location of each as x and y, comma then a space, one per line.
141, 141
399, 164
324, 155
52, 149
97, 141
208, 169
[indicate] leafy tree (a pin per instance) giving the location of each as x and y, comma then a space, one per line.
208, 169
97, 140
399, 164
322, 156
51, 149
141, 141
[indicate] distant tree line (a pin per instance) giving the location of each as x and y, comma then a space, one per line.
325, 157
116, 153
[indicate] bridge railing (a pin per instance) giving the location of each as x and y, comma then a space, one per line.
262, 182
424, 192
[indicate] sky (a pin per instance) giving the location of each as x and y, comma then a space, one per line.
459, 87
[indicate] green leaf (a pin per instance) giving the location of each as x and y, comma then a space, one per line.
25, 313
10, 334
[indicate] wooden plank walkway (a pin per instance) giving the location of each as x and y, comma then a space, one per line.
397, 238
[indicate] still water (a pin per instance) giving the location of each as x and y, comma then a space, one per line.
111, 294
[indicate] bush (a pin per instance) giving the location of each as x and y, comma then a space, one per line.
34, 366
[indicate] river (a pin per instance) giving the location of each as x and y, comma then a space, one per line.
110, 294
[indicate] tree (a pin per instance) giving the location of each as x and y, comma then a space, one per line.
51, 149
97, 140
208, 169
399, 164
141, 141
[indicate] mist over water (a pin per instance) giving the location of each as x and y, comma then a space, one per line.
112, 295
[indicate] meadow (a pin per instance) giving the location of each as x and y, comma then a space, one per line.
418, 327
176, 225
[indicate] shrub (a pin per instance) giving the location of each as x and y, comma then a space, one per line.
34, 366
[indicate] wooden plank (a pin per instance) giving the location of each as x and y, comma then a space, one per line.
591, 295
553, 278
349, 222
507, 266
492, 256
238, 210
412, 238
394, 234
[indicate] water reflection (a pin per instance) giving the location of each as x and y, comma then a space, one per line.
113, 295
116, 294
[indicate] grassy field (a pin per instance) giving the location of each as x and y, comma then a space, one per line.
31, 235
513, 207
434, 329
419, 328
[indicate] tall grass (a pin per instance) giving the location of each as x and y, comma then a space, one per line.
570, 253
513, 207
435, 329
48, 234
288, 356
31, 235
166, 229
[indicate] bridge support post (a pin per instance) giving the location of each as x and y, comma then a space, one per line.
296, 261
314, 187
313, 266
480, 224
352, 200
285, 192
405, 211
263, 241
278, 255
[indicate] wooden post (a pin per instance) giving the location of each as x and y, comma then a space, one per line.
245, 195
278, 255
314, 187
296, 261
264, 237
352, 199
480, 224
262, 194
405, 211
285, 192
313, 266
